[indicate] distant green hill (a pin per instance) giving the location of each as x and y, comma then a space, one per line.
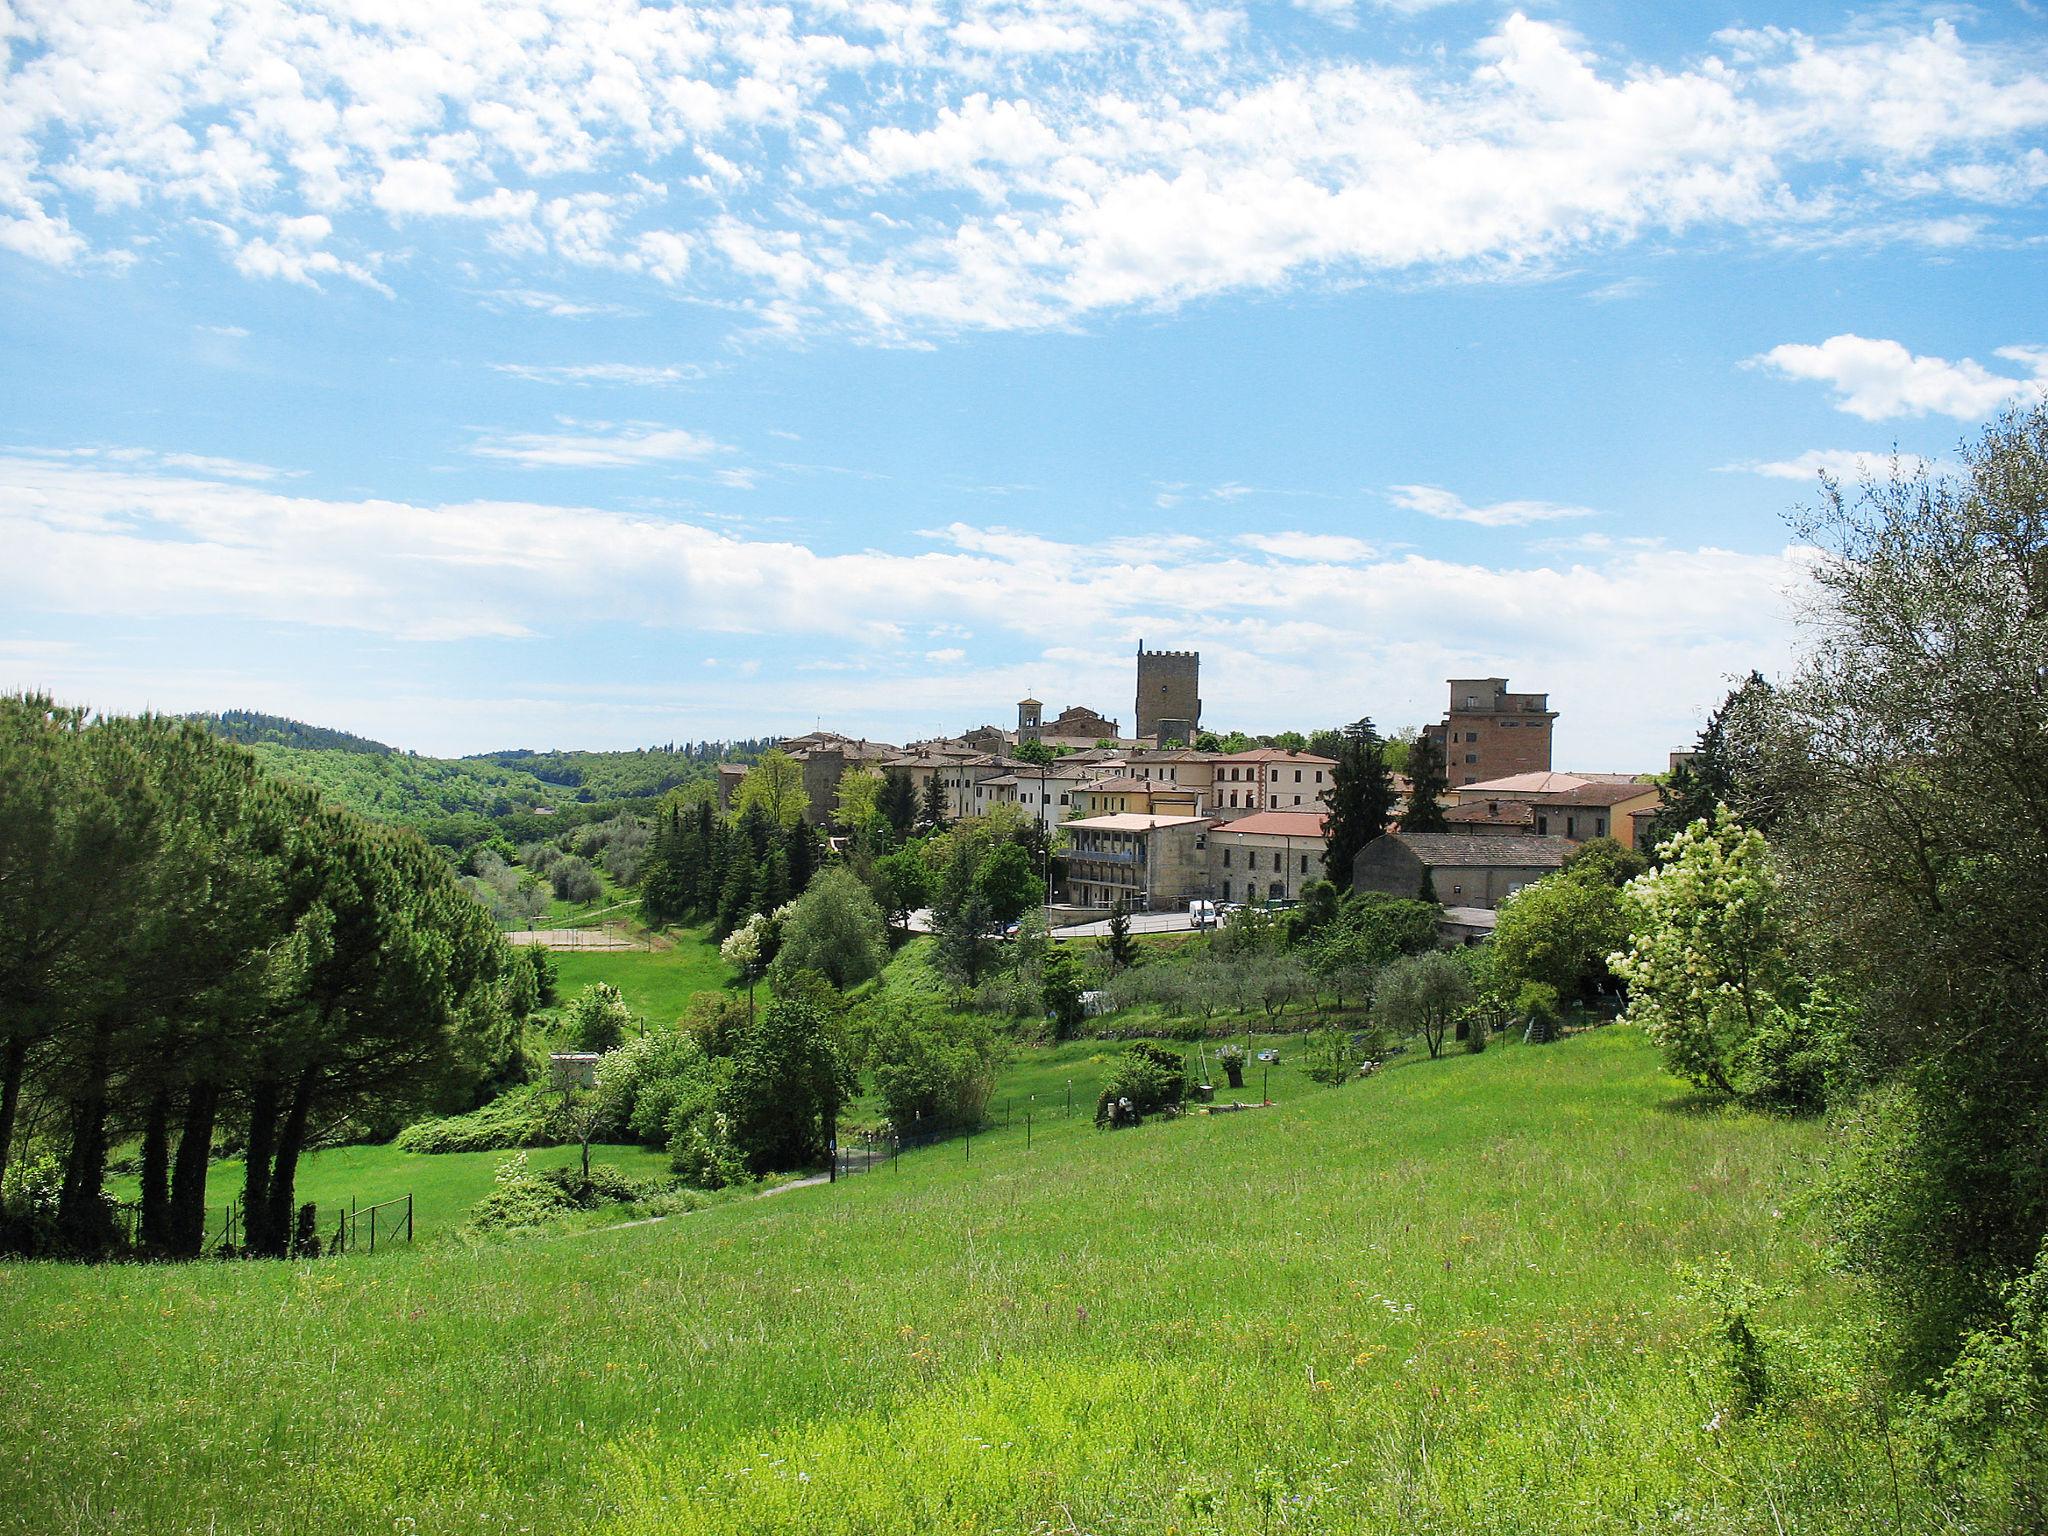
253, 729
456, 803
460, 802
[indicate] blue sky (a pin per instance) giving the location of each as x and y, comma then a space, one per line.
594, 375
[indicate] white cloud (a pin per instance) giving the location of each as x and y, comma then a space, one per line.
901, 168
209, 464
1879, 380
1310, 546
598, 445
1841, 464
1629, 641
1437, 502
639, 375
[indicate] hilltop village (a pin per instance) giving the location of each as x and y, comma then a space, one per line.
1160, 819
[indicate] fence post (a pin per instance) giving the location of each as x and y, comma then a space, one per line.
373, 1229
408, 1216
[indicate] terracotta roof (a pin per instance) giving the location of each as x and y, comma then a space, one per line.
1279, 824
1442, 850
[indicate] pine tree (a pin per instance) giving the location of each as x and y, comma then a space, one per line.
1427, 783
898, 802
932, 817
1361, 800
1120, 949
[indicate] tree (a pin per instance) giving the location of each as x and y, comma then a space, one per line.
599, 1020
898, 801
1706, 961
1119, 948
775, 787
859, 807
1423, 995
1560, 931
835, 929
903, 884
1007, 884
961, 919
749, 949
1427, 785
1033, 752
1061, 983
1909, 755
1725, 767
788, 1079
1361, 800
1605, 860
931, 816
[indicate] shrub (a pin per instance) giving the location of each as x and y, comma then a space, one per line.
834, 928
1995, 1393
527, 1116
598, 1019
932, 1074
787, 1081
575, 881
1798, 1057
518, 1201
1151, 1077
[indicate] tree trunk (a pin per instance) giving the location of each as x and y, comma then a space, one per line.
256, 1177
13, 1067
155, 1230
188, 1174
83, 1226
284, 1173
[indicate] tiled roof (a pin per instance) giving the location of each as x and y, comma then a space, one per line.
1279, 824
1485, 850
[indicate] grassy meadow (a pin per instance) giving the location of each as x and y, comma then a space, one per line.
657, 984
1439, 1300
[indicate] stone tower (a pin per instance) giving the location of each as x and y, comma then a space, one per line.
1169, 694
1030, 719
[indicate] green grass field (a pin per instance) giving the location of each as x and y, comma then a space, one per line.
657, 984
443, 1186
1442, 1300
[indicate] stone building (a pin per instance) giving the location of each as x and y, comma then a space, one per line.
1270, 779
1570, 805
1266, 856
1489, 733
1464, 870
1169, 696
1128, 792
1150, 863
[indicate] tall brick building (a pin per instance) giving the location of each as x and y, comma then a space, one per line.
1489, 733
1169, 695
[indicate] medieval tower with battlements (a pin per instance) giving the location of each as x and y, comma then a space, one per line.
1169, 695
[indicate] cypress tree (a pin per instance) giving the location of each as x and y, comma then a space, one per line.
1427, 783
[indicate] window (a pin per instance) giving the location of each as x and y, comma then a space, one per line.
1599, 826
1297, 775
1457, 890
1571, 826
1471, 735
1251, 859
1276, 775
1543, 826
1510, 725
1297, 799
1471, 757
1226, 884
1304, 863
1063, 799
1226, 865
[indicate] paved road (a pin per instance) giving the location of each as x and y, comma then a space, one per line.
1141, 922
